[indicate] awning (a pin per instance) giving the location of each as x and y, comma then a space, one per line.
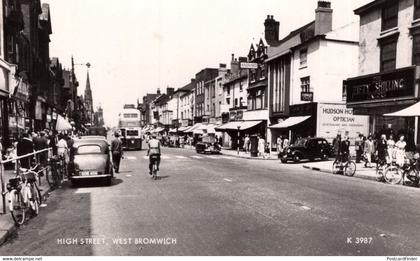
172, 130
289, 122
205, 128
182, 129
232, 126
157, 130
62, 124
412, 111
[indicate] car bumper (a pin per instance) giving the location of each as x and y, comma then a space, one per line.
91, 177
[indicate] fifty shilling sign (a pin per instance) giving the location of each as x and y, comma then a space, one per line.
381, 86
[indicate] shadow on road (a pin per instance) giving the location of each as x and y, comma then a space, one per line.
89, 183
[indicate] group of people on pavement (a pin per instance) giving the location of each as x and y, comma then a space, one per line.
263, 147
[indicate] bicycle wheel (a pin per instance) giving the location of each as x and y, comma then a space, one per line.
350, 168
393, 175
35, 199
335, 167
380, 173
17, 207
51, 175
38, 193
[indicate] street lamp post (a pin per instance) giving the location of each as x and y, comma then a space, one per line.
239, 127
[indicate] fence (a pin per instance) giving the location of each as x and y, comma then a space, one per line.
3, 188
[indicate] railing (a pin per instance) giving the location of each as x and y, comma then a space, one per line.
2, 162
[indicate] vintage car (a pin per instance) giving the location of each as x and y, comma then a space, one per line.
307, 148
90, 159
208, 144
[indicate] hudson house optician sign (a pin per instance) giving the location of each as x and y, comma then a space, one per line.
381, 86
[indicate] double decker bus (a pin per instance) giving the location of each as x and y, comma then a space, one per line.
129, 127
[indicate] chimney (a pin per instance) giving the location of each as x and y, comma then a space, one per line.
323, 18
222, 65
158, 91
234, 65
170, 91
233, 57
271, 32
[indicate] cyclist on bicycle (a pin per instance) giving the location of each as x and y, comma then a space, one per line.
345, 149
154, 149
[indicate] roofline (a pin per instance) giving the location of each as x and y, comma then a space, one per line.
367, 7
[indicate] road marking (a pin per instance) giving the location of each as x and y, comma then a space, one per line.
132, 157
164, 157
228, 180
196, 157
306, 208
146, 157
212, 157
128, 175
181, 157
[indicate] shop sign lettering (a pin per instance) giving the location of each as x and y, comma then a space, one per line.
395, 84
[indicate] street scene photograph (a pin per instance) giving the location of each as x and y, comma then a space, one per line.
210, 128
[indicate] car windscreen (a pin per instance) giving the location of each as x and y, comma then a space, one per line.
300, 142
89, 149
132, 132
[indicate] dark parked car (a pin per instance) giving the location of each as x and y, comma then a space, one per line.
91, 159
208, 145
307, 148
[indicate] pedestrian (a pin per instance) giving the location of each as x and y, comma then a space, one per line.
382, 149
220, 141
369, 150
62, 148
400, 151
246, 143
279, 145
42, 145
358, 145
286, 143
345, 149
336, 146
391, 149
261, 146
25, 146
116, 149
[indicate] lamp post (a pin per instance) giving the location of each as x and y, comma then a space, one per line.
75, 83
239, 127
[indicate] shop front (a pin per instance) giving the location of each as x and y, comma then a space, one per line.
19, 110
324, 120
377, 94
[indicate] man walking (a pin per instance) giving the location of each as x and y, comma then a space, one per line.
116, 149
25, 146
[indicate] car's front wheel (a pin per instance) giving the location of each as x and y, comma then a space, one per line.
297, 158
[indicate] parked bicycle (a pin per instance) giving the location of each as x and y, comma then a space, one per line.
24, 194
395, 174
345, 166
57, 172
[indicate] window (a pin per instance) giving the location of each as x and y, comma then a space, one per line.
416, 49
388, 54
228, 90
89, 149
228, 101
390, 15
416, 9
236, 102
241, 87
303, 57
262, 76
240, 102
305, 84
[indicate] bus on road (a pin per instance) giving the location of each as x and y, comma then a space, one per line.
129, 128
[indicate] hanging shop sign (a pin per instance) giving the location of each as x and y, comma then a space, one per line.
378, 87
307, 96
38, 110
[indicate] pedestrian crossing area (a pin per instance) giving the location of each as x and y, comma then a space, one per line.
180, 157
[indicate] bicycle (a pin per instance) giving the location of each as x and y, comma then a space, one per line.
154, 158
24, 194
54, 174
347, 167
396, 174
381, 166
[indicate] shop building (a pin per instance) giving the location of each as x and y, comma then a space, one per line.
304, 74
201, 78
388, 75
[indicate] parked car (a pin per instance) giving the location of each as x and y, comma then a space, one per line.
91, 159
208, 144
307, 148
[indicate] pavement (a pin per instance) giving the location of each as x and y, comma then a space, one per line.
326, 166
222, 205
7, 225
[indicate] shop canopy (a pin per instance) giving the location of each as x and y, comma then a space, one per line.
191, 129
290, 122
157, 130
173, 130
183, 129
62, 124
205, 128
412, 111
233, 126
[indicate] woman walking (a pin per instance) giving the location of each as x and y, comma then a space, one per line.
261, 146
391, 149
400, 151
369, 151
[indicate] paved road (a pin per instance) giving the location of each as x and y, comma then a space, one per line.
218, 205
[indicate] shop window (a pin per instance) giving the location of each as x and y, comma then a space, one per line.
390, 15
416, 9
305, 84
228, 90
388, 54
303, 57
416, 49
236, 102
241, 87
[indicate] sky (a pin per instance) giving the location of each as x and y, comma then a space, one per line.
137, 46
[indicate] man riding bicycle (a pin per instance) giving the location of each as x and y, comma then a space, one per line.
154, 150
